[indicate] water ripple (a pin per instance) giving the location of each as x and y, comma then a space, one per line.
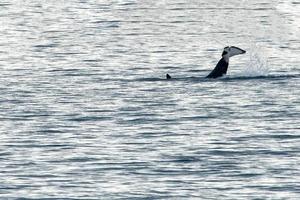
86, 110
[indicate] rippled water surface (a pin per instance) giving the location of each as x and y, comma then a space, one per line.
86, 111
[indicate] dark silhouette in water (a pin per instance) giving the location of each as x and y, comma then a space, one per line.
222, 66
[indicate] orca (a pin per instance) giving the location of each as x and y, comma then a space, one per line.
222, 65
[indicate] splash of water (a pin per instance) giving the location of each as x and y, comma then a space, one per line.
257, 65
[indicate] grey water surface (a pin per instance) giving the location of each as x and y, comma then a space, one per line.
86, 111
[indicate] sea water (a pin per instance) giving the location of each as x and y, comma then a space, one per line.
87, 113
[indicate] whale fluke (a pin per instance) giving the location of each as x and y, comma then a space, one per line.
222, 66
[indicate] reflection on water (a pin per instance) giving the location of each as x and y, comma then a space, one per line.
86, 112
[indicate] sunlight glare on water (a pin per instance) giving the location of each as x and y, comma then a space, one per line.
87, 113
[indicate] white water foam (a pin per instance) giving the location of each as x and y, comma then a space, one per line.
257, 64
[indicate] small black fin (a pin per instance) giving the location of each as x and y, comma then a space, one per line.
168, 76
